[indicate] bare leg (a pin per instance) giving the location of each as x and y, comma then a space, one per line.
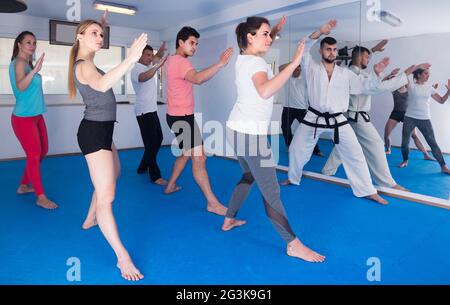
420, 146
390, 125
103, 169
202, 179
90, 220
178, 167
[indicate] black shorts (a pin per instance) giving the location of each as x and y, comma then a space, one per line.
93, 136
186, 130
397, 115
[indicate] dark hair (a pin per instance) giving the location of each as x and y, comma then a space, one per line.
327, 40
417, 73
185, 33
250, 26
147, 47
18, 40
357, 50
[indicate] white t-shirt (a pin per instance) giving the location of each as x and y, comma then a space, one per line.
251, 114
146, 92
297, 95
419, 97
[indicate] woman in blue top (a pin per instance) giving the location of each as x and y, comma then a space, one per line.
27, 120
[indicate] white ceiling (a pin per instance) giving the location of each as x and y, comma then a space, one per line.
154, 15
418, 16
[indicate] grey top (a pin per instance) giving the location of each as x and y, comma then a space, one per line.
100, 106
400, 100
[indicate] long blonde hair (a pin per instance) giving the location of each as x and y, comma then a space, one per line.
74, 53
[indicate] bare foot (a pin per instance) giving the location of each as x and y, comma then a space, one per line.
399, 187
285, 182
377, 198
403, 164
230, 223
90, 222
161, 181
428, 157
296, 249
217, 208
445, 170
171, 189
388, 152
46, 203
24, 189
128, 270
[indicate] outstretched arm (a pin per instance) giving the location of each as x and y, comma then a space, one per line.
200, 77
442, 99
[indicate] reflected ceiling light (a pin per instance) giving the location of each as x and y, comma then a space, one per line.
115, 7
388, 18
12, 6
278, 36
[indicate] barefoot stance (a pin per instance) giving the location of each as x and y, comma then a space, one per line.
285, 182
445, 170
89, 223
230, 223
403, 164
172, 189
296, 249
428, 157
400, 188
46, 203
217, 208
161, 181
24, 189
388, 152
377, 198
128, 270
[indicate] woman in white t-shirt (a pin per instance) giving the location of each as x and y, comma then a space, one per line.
418, 114
248, 126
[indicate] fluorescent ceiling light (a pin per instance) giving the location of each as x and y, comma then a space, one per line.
388, 18
114, 7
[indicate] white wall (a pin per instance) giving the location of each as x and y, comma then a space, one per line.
62, 125
62, 121
403, 52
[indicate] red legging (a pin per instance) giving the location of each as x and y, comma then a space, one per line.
32, 135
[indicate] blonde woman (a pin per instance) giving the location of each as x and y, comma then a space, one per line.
95, 132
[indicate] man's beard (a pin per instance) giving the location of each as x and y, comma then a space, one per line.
330, 61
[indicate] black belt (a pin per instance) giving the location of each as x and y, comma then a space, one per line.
327, 116
363, 114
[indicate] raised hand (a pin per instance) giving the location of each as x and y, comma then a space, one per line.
225, 57
38, 65
137, 47
104, 19
380, 46
279, 26
392, 74
299, 53
381, 66
163, 47
327, 27
424, 66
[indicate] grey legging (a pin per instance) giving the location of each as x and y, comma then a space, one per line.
257, 166
426, 129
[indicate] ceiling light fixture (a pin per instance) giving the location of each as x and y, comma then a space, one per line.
388, 18
12, 6
115, 7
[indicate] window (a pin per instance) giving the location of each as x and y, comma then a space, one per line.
55, 68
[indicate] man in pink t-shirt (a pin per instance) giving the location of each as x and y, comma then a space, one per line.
180, 77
